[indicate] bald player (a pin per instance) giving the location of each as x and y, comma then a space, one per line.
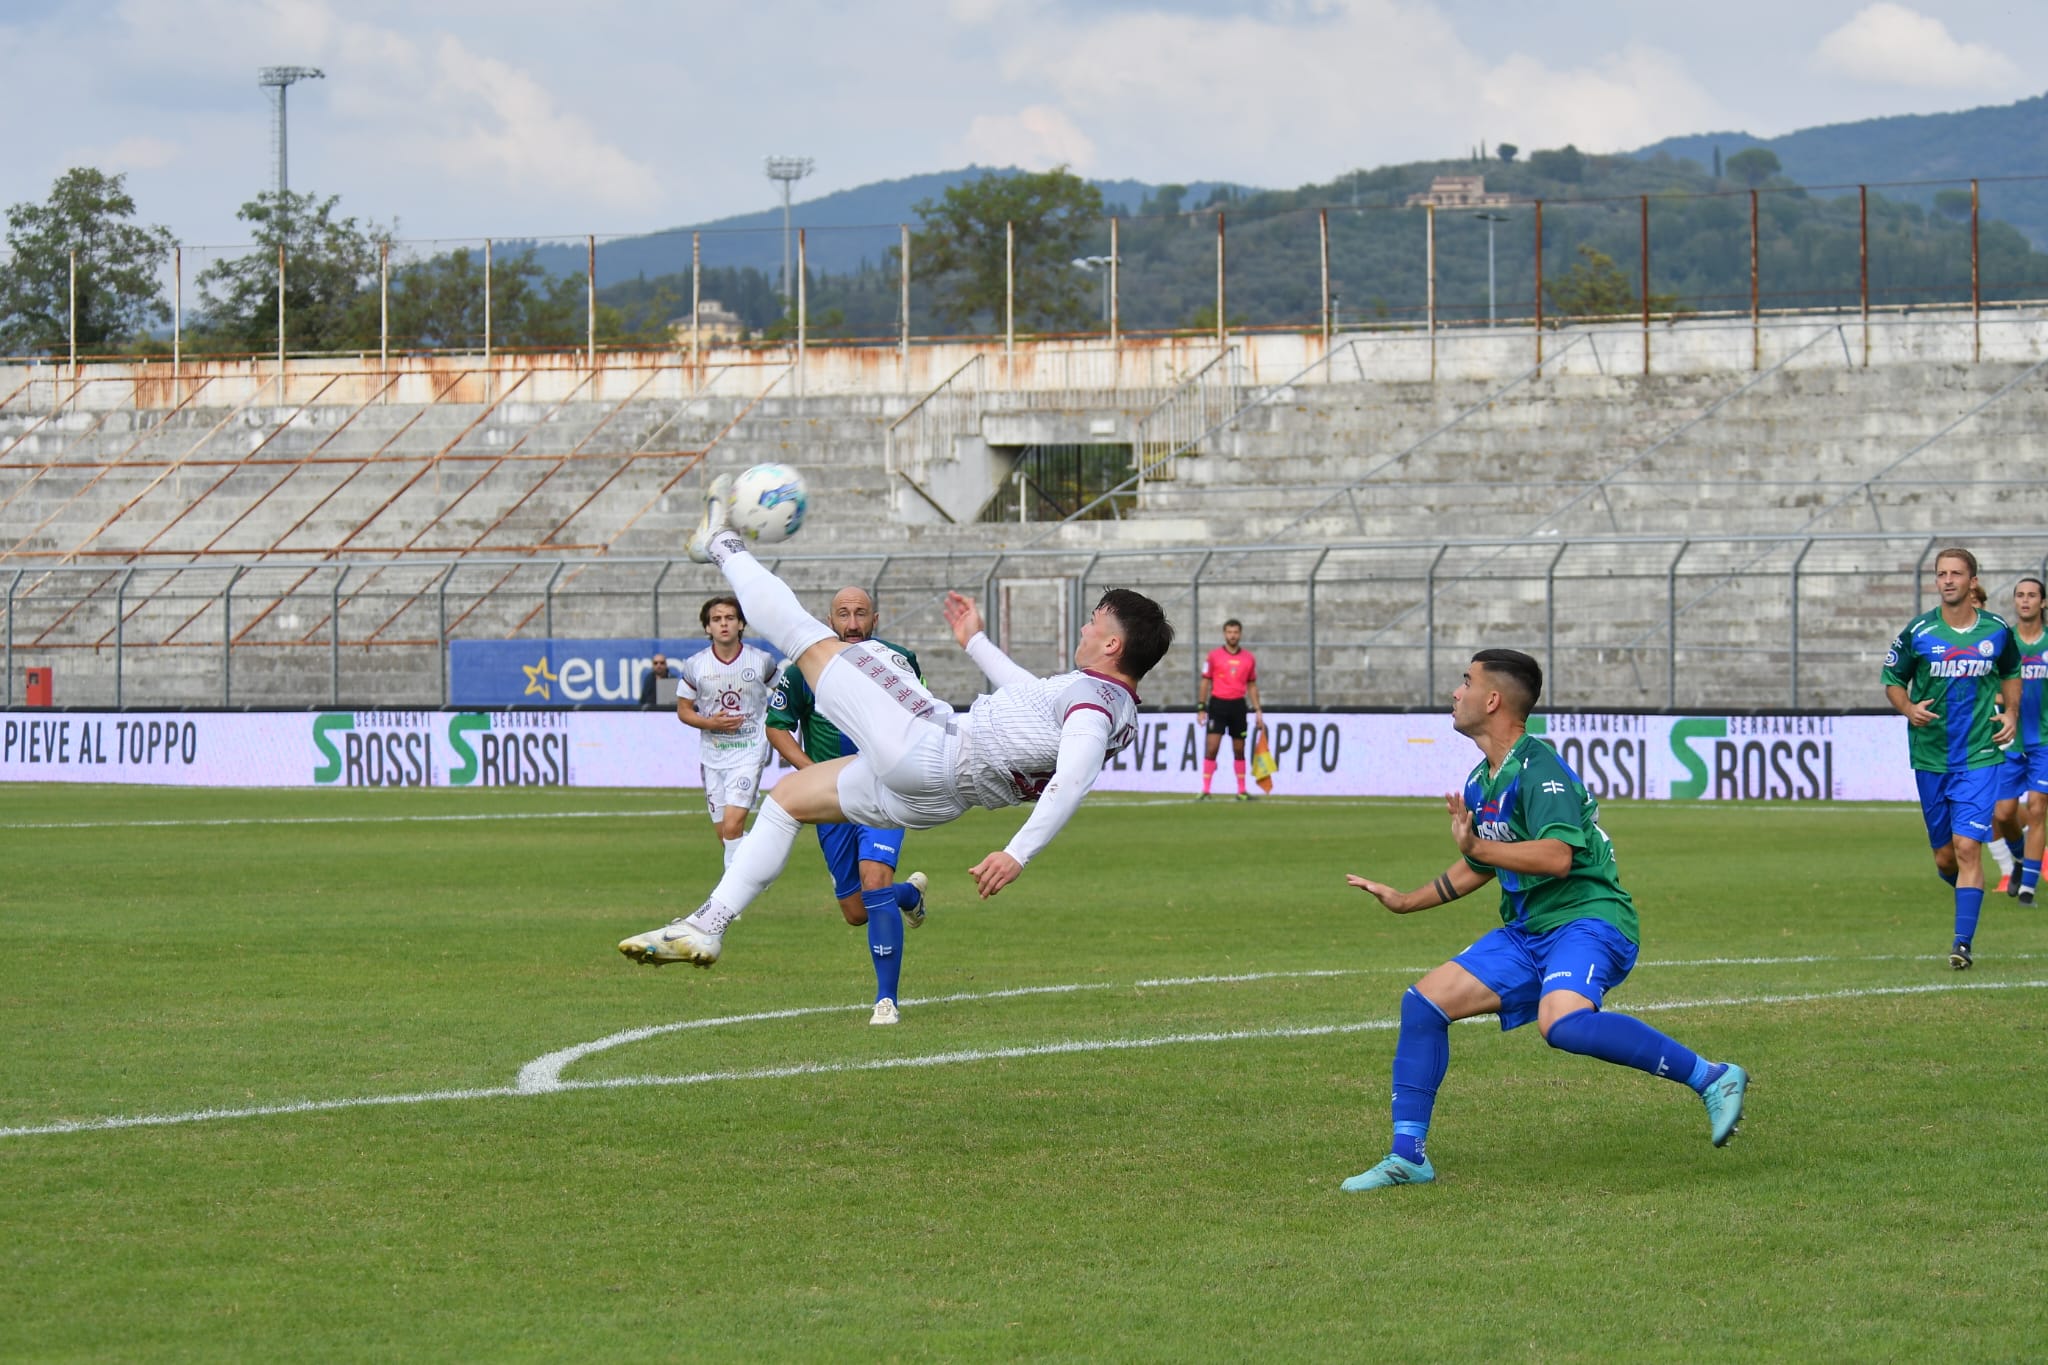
861, 858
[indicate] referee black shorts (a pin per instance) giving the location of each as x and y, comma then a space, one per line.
1227, 717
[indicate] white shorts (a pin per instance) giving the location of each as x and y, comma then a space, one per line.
904, 775
740, 786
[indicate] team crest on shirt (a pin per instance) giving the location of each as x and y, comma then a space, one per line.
1985, 648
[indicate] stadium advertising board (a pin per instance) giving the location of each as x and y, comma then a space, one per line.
1664, 758
556, 672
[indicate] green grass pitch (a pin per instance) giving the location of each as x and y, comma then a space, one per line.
1142, 1071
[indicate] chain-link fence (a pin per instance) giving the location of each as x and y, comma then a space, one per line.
1731, 622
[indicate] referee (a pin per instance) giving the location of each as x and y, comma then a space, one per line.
1230, 680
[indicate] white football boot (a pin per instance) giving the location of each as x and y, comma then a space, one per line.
715, 519
885, 1012
914, 916
677, 941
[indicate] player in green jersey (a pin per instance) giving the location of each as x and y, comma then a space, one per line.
1954, 674
862, 859
2024, 782
1568, 930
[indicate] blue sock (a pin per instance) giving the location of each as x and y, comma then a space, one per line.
2030, 873
1948, 877
906, 895
1626, 1041
2018, 848
1421, 1056
1969, 904
885, 939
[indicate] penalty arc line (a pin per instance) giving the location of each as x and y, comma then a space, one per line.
968, 1056
545, 1073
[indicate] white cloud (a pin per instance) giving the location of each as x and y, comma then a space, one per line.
1889, 44
1299, 93
1036, 138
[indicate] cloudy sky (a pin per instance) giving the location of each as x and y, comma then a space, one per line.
463, 118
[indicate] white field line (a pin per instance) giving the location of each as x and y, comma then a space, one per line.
1102, 801
963, 1057
545, 1073
360, 819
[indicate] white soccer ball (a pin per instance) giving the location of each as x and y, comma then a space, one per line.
768, 503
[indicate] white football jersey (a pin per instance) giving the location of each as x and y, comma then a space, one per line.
737, 688
1014, 732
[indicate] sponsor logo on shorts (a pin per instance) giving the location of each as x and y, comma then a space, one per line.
1555, 976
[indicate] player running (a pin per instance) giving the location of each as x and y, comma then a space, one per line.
722, 693
1568, 930
1954, 674
861, 858
2023, 777
921, 763
1230, 676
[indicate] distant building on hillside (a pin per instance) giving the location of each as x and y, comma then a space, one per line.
715, 322
1460, 192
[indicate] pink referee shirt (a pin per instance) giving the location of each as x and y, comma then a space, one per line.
1229, 674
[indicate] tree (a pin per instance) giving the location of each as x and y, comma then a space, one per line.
1506, 151
1754, 166
1595, 287
961, 244
1953, 204
330, 279
1567, 164
118, 267
1163, 202
439, 302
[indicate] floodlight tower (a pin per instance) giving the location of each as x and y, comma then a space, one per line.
274, 79
788, 170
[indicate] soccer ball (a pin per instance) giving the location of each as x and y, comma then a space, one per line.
768, 503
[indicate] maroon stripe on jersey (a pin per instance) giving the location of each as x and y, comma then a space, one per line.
1088, 706
1118, 681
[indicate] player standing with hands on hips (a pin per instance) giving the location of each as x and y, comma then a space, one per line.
1954, 674
1230, 677
1568, 930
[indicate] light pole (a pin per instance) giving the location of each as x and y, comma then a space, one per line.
1093, 263
277, 79
1490, 219
788, 170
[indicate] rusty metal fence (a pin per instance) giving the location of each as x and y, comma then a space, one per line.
1220, 271
1655, 622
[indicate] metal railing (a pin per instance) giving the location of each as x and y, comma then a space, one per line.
1799, 620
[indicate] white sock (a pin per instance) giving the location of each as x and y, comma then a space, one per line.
731, 846
770, 607
753, 862
2000, 854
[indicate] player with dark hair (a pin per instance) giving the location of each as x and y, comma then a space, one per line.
2023, 777
861, 858
722, 693
1954, 674
920, 763
1568, 930
1230, 679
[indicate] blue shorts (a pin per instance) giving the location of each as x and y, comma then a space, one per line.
1587, 956
2026, 773
1961, 803
848, 846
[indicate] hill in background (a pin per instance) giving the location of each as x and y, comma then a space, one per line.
2000, 140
